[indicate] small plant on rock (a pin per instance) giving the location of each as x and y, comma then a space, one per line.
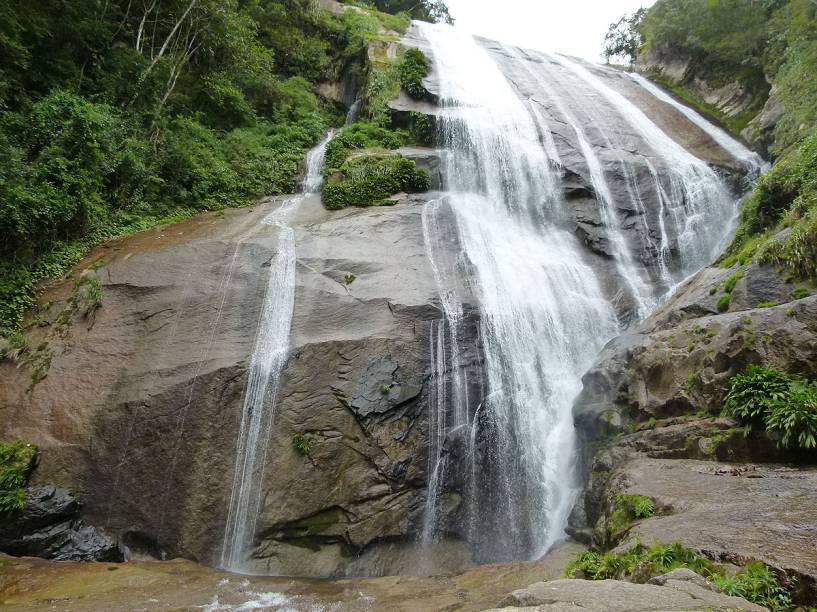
757, 583
16, 462
349, 279
723, 302
302, 444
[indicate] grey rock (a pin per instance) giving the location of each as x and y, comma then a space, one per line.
49, 527
614, 595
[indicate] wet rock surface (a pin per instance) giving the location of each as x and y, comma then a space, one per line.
139, 411
49, 526
35, 584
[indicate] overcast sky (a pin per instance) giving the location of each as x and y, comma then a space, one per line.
572, 27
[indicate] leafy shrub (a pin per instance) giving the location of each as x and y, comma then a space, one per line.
367, 180
627, 509
753, 394
413, 69
785, 197
756, 583
302, 444
16, 462
360, 135
795, 417
723, 302
638, 564
782, 403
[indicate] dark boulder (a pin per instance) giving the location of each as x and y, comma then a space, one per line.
49, 527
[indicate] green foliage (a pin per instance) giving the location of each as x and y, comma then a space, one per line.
638, 563
366, 180
424, 10
796, 416
349, 279
785, 197
302, 444
102, 134
359, 135
757, 583
16, 462
754, 393
723, 302
753, 42
733, 279
413, 69
627, 509
624, 37
800, 293
385, 389
780, 402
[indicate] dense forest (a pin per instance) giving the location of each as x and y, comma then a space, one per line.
768, 47
118, 115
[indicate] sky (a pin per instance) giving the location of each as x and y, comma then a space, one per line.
572, 27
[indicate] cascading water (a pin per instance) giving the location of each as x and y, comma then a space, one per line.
544, 310
268, 358
543, 314
752, 162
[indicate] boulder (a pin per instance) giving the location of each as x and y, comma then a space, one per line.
49, 526
615, 595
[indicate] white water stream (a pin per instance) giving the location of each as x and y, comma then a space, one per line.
543, 314
268, 359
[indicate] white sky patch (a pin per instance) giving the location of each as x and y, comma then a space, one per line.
572, 27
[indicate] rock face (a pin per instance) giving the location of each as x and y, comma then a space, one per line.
140, 408
656, 391
678, 592
49, 527
136, 405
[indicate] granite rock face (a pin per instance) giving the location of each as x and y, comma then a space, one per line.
140, 408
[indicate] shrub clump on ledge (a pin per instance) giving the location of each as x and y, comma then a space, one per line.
16, 462
780, 402
369, 179
756, 582
413, 69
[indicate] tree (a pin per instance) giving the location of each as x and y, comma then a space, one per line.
435, 11
624, 37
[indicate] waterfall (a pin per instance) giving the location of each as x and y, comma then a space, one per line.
751, 161
511, 121
268, 359
543, 316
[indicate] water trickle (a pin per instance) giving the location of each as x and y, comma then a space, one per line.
752, 162
268, 359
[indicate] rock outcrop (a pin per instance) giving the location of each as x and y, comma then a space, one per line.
139, 410
49, 526
678, 592
650, 405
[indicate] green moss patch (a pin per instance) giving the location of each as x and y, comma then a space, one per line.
16, 463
